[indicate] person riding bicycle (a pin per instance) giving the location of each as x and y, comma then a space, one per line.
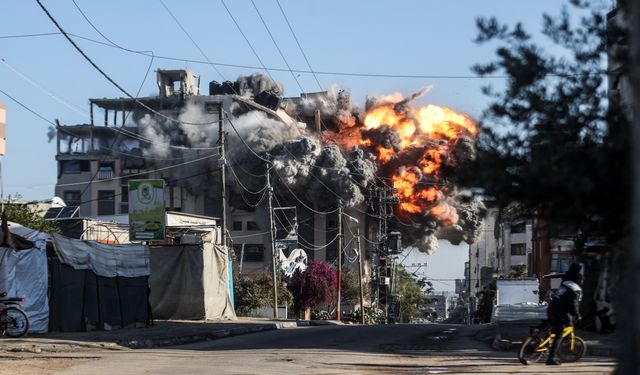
564, 307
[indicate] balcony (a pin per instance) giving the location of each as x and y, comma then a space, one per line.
105, 173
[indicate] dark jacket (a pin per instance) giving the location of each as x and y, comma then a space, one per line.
565, 303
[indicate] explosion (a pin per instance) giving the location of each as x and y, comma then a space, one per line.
413, 150
411, 146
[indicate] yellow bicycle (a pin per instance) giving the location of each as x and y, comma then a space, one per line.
572, 347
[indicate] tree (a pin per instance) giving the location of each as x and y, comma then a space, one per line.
21, 213
254, 292
314, 287
412, 296
551, 140
555, 141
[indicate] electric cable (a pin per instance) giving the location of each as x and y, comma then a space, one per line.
49, 93
111, 80
192, 40
245, 38
319, 72
298, 43
242, 185
273, 39
138, 174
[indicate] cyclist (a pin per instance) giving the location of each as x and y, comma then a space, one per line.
564, 307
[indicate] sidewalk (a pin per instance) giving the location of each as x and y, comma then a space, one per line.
163, 333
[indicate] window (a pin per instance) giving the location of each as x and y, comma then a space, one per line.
72, 197
518, 249
519, 228
105, 170
253, 252
106, 202
237, 225
560, 262
252, 225
73, 166
124, 193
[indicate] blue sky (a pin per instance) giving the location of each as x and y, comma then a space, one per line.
401, 37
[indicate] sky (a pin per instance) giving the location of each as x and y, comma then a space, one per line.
403, 37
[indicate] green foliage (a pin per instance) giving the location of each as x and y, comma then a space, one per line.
371, 315
320, 315
551, 139
412, 296
350, 292
518, 271
255, 292
23, 215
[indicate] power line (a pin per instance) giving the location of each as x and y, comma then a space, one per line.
245, 38
317, 72
192, 40
108, 78
28, 109
170, 181
64, 129
49, 93
273, 39
299, 46
140, 173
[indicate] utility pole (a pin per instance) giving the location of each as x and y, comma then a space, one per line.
223, 189
360, 274
272, 235
340, 245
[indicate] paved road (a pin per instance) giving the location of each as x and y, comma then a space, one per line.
391, 349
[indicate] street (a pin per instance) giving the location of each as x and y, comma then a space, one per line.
384, 349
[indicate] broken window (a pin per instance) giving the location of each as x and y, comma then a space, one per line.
73, 144
73, 166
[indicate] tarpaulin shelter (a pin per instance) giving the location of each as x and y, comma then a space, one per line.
98, 286
190, 282
23, 271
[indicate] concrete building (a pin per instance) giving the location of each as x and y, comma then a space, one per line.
111, 153
483, 254
514, 246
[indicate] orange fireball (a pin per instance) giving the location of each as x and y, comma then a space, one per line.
434, 130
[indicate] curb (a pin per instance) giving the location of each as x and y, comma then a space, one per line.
189, 339
53, 345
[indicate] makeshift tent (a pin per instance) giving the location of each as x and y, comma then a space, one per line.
190, 282
23, 271
98, 286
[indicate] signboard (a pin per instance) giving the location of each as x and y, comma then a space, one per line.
146, 210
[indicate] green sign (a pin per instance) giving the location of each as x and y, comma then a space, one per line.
146, 210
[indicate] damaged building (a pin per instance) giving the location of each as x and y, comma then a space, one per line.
174, 136
391, 167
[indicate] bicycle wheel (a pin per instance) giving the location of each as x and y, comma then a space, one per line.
568, 355
527, 353
14, 322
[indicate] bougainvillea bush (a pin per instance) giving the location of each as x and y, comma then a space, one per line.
314, 287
